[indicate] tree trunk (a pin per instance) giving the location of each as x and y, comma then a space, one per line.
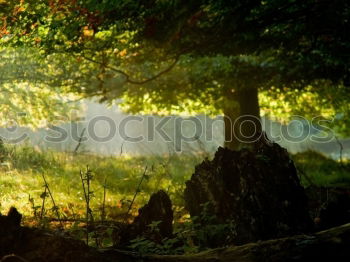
242, 123
230, 115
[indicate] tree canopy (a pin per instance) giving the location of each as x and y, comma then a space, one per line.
32, 90
310, 34
194, 56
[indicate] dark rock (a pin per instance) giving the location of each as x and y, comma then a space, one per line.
14, 217
158, 211
37, 245
257, 190
10, 221
10, 229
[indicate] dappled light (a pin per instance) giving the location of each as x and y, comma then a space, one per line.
205, 130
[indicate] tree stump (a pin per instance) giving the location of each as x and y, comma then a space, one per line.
31, 244
158, 211
257, 190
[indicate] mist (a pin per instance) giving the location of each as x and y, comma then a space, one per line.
106, 130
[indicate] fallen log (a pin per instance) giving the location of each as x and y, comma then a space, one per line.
329, 245
36, 245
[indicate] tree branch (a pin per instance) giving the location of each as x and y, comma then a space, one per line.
128, 78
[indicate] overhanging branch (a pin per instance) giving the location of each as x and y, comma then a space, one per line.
128, 78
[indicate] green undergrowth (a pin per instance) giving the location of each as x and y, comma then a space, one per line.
22, 185
22, 170
317, 169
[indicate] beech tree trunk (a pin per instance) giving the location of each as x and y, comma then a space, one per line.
242, 124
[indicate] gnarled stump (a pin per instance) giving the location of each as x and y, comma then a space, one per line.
158, 209
40, 245
258, 190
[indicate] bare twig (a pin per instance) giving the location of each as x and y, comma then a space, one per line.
31, 201
103, 215
121, 148
341, 148
86, 183
136, 192
80, 140
55, 207
43, 196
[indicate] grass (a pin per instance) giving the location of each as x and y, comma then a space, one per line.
322, 171
22, 169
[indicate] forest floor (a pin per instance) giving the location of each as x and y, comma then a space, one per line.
115, 182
